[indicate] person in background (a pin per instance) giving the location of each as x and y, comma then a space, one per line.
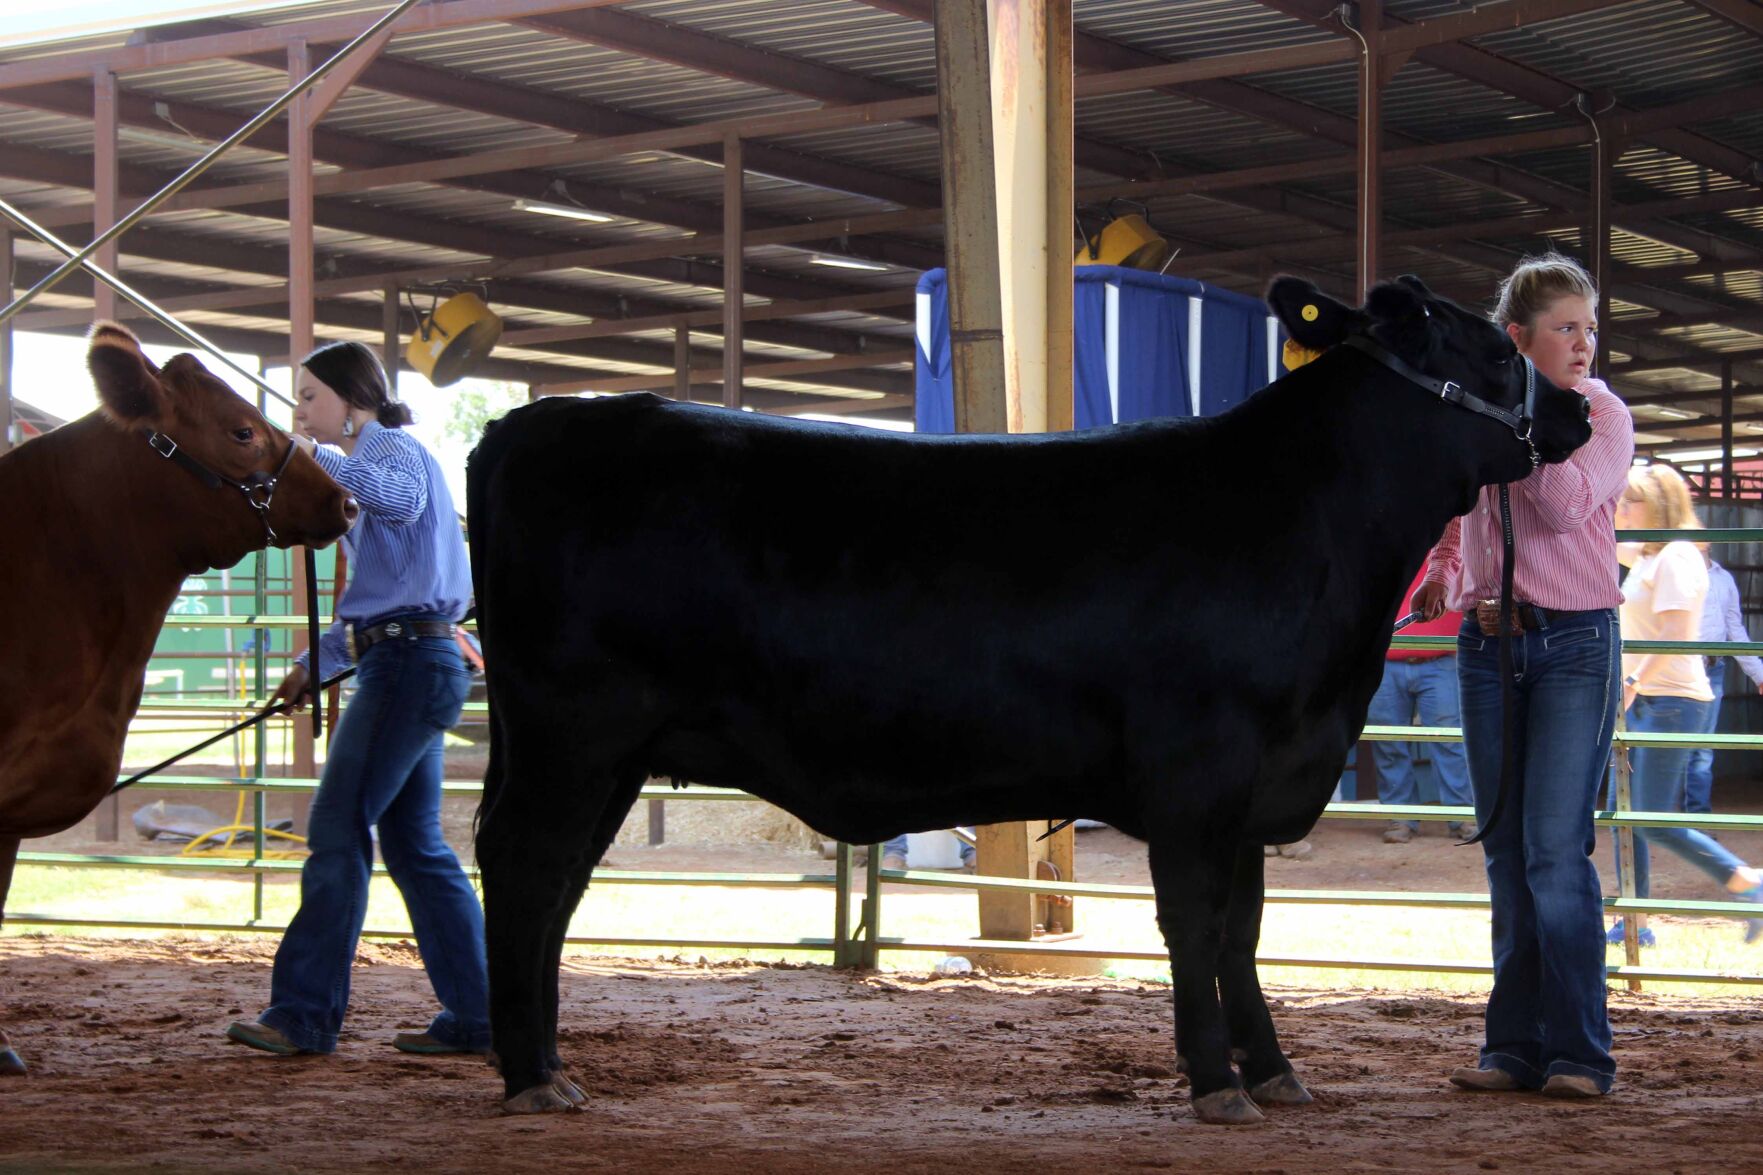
1548, 1023
409, 582
1667, 693
1722, 620
894, 854
1420, 682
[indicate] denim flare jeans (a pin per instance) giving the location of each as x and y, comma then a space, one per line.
1547, 1013
385, 768
1657, 786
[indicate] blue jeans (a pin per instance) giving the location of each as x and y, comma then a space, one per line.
1656, 786
1428, 687
1698, 783
897, 848
1547, 1013
385, 768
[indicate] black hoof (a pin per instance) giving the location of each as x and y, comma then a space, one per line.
1284, 1090
11, 1064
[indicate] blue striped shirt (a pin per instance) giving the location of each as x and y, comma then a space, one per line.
406, 553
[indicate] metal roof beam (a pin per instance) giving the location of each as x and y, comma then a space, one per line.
351, 151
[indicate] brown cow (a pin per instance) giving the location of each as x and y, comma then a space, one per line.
101, 521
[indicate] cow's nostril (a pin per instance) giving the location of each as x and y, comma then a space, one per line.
350, 509
1585, 408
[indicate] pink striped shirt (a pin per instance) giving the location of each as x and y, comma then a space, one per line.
1563, 524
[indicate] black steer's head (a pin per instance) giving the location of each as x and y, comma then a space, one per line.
1440, 339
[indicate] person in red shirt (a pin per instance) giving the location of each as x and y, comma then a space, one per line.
1423, 683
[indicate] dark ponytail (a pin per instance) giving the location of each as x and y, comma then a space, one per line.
354, 373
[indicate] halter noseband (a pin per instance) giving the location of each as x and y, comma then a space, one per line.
258, 487
1452, 393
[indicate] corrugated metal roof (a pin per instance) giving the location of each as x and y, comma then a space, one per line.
1644, 54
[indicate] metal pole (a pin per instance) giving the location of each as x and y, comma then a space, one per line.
1727, 474
104, 184
391, 336
201, 165
682, 362
1370, 202
166, 320
300, 338
5, 342
733, 271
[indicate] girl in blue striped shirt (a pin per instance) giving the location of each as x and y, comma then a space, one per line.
409, 582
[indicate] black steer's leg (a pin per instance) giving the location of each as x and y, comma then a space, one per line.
1192, 877
1266, 1072
11, 1064
610, 820
530, 846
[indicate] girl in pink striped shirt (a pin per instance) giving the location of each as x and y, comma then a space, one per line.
1547, 1025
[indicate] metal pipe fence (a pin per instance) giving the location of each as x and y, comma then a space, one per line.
859, 941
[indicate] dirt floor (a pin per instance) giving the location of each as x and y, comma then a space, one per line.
779, 1069
803, 1069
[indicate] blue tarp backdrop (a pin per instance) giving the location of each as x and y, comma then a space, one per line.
1147, 345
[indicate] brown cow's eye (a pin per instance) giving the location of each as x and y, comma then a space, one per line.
244, 435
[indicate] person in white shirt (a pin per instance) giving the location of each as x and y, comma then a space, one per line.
1667, 693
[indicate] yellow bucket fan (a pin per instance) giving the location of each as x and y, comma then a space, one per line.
1128, 241
454, 338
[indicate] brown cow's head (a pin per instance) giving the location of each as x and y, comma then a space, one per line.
223, 434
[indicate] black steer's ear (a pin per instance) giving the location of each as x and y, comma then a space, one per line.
128, 384
1399, 315
1310, 316
1414, 283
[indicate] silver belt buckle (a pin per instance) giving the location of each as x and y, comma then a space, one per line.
349, 642
394, 629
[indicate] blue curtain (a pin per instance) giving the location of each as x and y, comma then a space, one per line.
1132, 347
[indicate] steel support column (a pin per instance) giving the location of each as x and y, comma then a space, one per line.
391, 336
105, 194
6, 413
1727, 475
734, 273
682, 362
976, 315
1605, 150
1370, 188
301, 314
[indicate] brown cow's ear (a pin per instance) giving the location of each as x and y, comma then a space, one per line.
128, 385
1310, 316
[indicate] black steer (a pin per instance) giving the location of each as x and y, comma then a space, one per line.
1172, 626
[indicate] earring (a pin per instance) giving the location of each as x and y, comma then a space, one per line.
348, 426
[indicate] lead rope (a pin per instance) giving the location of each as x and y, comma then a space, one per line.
312, 642
1508, 702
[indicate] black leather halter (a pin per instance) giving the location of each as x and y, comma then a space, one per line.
258, 487
1451, 392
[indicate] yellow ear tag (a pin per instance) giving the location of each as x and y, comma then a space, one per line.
1309, 313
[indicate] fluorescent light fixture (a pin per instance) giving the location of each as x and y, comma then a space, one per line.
1707, 454
567, 211
848, 263
1673, 413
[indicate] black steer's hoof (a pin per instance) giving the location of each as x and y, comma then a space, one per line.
540, 1099
1227, 1107
11, 1064
569, 1089
1284, 1090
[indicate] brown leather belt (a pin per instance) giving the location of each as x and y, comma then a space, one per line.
361, 639
1524, 617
